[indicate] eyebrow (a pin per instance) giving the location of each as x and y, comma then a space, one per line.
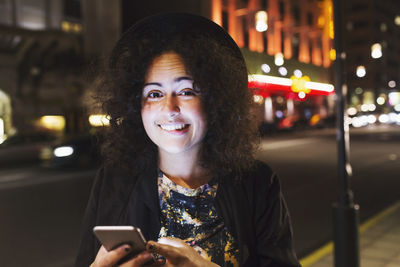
177, 80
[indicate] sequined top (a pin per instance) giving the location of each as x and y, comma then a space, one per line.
190, 214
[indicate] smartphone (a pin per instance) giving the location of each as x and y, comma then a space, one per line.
112, 237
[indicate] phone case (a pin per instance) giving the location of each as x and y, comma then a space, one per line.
114, 236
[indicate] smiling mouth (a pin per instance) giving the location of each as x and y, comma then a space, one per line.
174, 127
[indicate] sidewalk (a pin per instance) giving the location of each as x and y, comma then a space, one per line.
379, 243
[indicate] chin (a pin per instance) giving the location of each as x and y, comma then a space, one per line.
173, 150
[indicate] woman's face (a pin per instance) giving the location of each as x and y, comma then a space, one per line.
172, 110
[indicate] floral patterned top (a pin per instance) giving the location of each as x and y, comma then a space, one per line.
190, 214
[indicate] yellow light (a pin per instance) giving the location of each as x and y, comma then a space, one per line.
331, 27
2, 136
258, 99
279, 59
376, 50
321, 21
299, 84
397, 20
77, 27
56, 123
261, 21
66, 26
97, 120
332, 54
315, 119
324, 87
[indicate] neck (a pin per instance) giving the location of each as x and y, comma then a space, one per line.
183, 169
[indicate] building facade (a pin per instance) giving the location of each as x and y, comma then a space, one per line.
288, 45
41, 59
372, 45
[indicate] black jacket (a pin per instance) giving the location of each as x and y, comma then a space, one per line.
252, 207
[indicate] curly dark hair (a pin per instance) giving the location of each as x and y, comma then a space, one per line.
218, 70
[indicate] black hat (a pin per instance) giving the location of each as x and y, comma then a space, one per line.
168, 25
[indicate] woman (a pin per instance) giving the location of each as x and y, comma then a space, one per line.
179, 157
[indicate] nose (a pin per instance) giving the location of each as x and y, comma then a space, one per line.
171, 105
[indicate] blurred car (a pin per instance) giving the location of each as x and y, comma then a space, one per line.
23, 148
79, 151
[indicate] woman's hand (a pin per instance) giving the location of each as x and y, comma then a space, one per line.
177, 253
111, 258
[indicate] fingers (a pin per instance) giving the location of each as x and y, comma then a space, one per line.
142, 259
175, 242
106, 258
112, 258
168, 251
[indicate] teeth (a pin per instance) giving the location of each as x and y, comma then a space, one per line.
172, 127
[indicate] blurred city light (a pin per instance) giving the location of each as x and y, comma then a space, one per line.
348, 121
359, 90
383, 118
258, 99
368, 107
279, 59
267, 82
371, 107
371, 119
397, 107
67, 26
394, 98
359, 121
98, 120
56, 123
361, 72
376, 50
297, 73
332, 54
63, 151
261, 21
397, 20
2, 137
393, 117
279, 114
380, 100
392, 84
265, 68
282, 71
301, 95
351, 111
320, 86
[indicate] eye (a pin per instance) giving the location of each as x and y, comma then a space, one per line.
188, 92
154, 94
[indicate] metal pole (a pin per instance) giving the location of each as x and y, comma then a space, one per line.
345, 211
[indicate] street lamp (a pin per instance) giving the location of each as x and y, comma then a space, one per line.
346, 243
